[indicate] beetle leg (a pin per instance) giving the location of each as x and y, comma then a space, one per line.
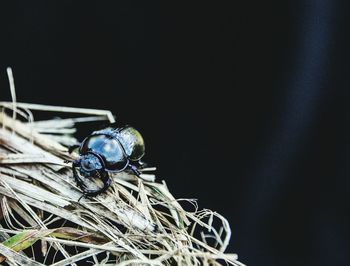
141, 164
107, 181
80, 183
82, 196
134, 169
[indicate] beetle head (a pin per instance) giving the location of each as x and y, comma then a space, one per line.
89, 164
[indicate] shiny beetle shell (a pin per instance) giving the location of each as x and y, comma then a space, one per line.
116, 146
132, 142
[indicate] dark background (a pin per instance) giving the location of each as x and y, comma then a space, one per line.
243, 105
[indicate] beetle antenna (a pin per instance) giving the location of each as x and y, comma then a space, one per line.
135, 170
82, 195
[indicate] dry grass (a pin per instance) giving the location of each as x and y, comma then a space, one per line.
136, 222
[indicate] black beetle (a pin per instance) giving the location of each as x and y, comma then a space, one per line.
111, 149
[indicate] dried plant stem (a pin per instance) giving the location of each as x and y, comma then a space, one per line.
137, 221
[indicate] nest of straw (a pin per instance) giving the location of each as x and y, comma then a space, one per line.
136, 222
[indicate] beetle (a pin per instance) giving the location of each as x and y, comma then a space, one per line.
109, 150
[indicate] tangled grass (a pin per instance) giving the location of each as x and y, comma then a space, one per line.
136, 222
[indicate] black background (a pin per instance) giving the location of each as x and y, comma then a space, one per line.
243, 105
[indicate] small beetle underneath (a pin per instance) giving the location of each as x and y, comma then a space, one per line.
112, 149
